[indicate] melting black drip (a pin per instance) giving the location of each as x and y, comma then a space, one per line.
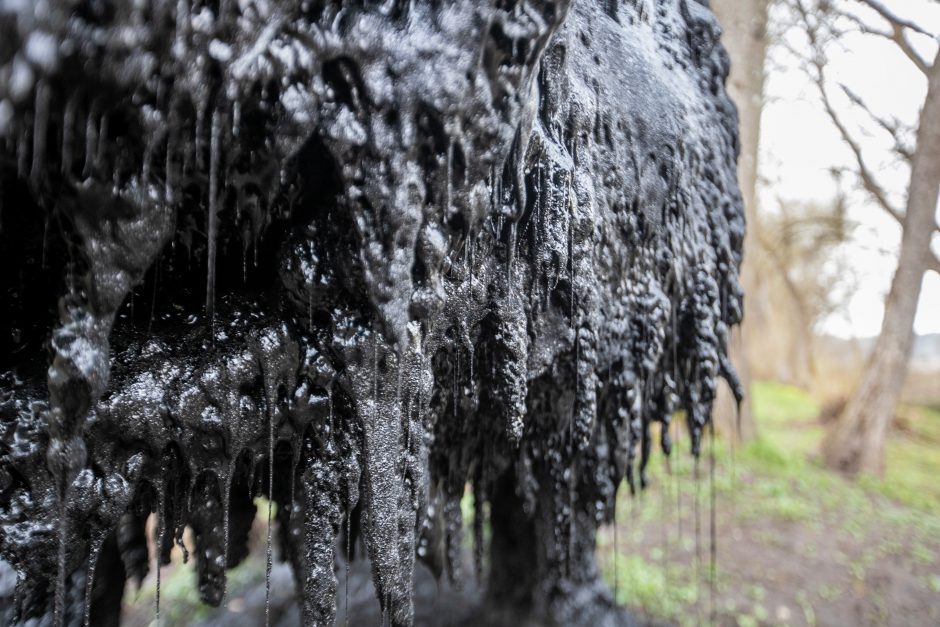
279, 249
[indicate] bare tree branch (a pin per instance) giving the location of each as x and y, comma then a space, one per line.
869, 183
896, 35
893, 127
867, 177
895, 19
901, 38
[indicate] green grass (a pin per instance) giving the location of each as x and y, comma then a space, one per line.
179, 591
779, 478
660, 591
789, 441
776, 404
785, 418
179, 586
913, 465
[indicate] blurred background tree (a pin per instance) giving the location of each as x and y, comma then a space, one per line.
856, 439
795, 274
745, 37
801, 275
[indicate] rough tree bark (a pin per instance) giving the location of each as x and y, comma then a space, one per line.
856, 443
744, 35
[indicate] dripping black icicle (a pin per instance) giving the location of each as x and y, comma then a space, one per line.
353, 257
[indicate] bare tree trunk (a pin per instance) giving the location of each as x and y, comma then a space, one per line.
856, 443
745, 38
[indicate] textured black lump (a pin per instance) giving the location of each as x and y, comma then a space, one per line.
353, 257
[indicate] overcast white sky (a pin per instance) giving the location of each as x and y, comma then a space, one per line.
799, 146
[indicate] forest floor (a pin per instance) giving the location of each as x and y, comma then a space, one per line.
794, 544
